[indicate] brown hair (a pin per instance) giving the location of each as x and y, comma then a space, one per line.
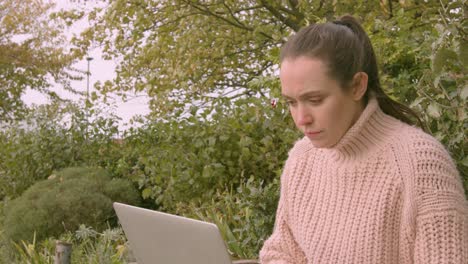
346, 49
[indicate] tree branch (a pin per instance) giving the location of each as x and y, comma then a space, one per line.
247, 9
211, 13
293, 4
320, 5
390, 8
207, 11
287, 21
294, 9
232, 14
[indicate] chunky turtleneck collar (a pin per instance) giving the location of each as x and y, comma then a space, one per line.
370, 131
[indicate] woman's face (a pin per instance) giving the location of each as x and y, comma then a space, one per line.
319, 106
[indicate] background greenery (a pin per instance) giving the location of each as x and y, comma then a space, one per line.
213, 146
66, 200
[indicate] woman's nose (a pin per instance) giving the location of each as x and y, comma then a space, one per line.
303, 116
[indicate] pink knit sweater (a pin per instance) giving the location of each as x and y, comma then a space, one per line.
386, 193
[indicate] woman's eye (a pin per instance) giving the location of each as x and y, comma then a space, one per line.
290, 103
316, 100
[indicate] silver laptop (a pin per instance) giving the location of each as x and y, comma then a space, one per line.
157, 237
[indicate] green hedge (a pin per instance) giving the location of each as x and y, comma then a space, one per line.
72, 197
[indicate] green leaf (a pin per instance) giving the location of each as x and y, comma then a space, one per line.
211, 141
433, 110
465, 161
464, 93
441, 58
146, 193
207, 171
463, 53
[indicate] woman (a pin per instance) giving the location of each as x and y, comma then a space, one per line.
363, 185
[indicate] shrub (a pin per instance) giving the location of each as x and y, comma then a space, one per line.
191, 159
71, 197
51, 138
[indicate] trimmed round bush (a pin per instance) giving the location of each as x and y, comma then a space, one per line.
67, 199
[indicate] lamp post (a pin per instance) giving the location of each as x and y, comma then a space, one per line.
88, 73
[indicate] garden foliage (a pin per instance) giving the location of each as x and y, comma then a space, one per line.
53, 137
213, 147
193, 158
69, 198
89, 246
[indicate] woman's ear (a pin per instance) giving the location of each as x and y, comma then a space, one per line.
359, 88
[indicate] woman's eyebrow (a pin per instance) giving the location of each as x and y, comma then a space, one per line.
304, 95
309, 94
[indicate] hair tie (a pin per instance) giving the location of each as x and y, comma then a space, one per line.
338, 22
346, 25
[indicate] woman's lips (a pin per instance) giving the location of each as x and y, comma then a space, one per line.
313, 133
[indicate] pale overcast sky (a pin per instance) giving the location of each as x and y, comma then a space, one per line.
100, 71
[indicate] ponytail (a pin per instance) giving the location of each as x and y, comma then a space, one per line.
387, 104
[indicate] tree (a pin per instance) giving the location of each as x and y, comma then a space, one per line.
192, 53
189, 51
32, 54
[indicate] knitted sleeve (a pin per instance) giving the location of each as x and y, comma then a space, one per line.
281, 248
442, 209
